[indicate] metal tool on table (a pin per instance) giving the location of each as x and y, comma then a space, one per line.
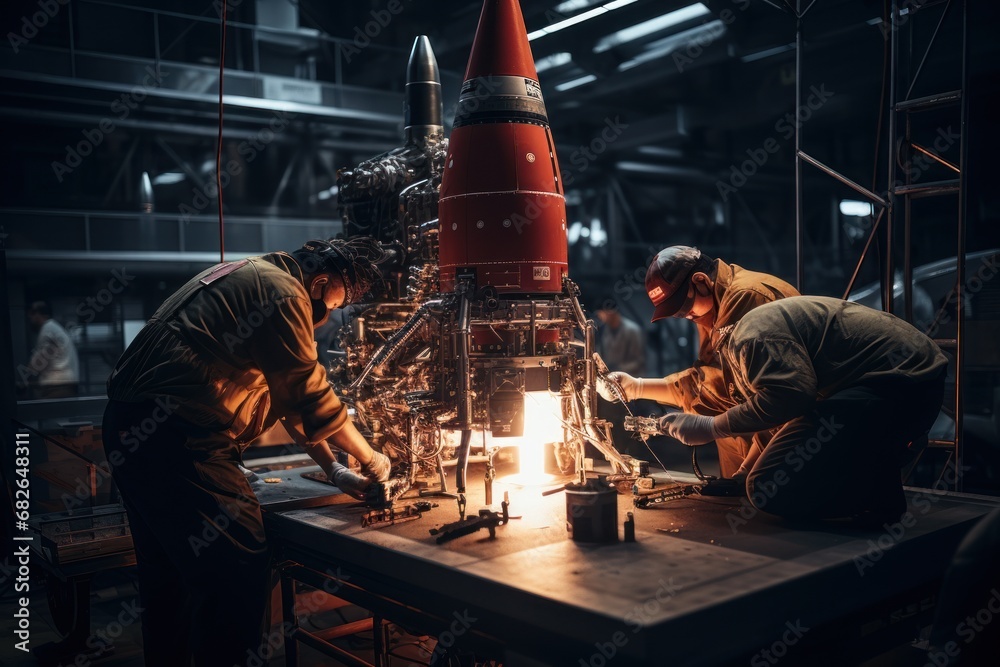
390, 516
487, 519
381, 495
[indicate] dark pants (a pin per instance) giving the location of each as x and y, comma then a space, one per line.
202, 557
844, 457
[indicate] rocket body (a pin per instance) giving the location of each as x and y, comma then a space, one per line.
501, 208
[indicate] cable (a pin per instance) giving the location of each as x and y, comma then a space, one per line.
697, 469
218, 148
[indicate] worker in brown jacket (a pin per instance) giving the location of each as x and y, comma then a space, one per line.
684, 282
221, 360
844, 387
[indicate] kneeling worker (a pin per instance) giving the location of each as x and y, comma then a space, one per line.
683, 282
221, 360
846, 387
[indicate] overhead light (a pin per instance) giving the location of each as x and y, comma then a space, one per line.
664, 47
651, 26
852, 207
594, 233
553, 61
579, 18
658, 169
145, 193
766, 53
661, 151
571, 6
323, 195
598, 236
168, 178
583, 80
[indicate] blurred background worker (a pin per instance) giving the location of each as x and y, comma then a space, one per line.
54, 369
221, 360
683, 282
847, 388
622, 347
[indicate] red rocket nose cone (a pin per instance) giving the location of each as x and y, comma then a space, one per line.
501, 45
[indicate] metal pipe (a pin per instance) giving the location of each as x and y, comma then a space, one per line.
799, 269
864, 254
888, 277
860, 189
963, 204
392, 346
532, 333
930, 45
462, 334
937, 158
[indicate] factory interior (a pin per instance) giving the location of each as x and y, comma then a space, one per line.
508, 436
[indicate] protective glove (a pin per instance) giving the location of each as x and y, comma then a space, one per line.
378, 468
631, 387
689, 429
348, 481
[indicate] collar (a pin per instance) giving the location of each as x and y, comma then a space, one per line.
286, 263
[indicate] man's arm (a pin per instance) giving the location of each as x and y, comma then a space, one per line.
284, 349
782, 383
347, 439
678, 389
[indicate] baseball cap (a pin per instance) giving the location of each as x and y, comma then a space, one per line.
667, 279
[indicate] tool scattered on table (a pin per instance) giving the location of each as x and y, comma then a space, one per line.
487, 519
390, 516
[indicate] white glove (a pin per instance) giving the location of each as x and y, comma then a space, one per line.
689, 429
378, 468
631, 387
348, 481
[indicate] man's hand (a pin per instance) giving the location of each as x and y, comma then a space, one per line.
689, 429
630, 386
378, 468
348, 481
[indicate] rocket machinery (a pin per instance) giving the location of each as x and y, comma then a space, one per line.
482, 327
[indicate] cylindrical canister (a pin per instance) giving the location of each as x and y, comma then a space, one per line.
592, 512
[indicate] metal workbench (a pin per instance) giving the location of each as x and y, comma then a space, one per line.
702, 584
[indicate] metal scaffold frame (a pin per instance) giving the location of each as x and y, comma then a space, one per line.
902, 192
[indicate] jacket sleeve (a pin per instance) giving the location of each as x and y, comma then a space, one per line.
285, 351
778, 380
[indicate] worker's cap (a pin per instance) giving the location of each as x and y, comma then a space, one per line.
667, 279
355, 260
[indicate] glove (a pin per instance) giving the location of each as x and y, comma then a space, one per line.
631, 387
378, 468
689, 429
348, 481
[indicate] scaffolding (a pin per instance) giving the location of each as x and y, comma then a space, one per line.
894, 207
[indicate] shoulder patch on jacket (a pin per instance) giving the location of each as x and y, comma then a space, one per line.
222, 270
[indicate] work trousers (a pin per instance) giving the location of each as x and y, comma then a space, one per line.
843, 458
203, 562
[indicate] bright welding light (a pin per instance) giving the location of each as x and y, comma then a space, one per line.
542, 425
